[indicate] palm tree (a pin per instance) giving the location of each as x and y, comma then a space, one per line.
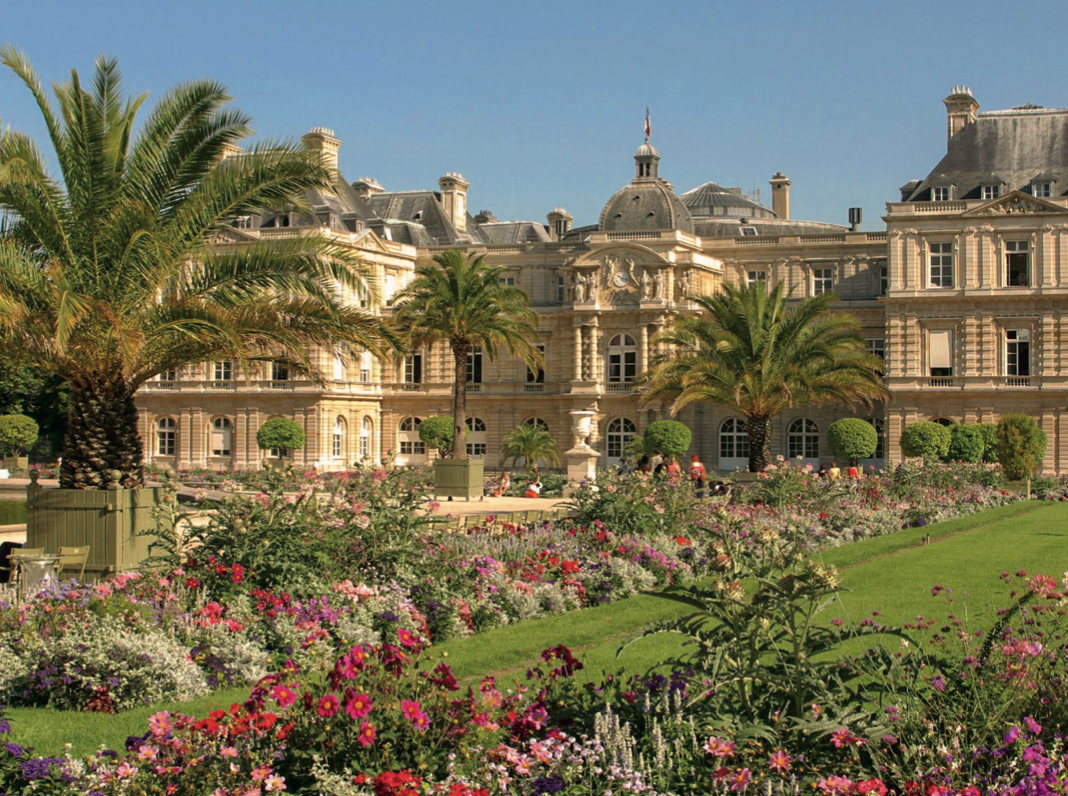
530, 443
107, 273
752, 352
462, 301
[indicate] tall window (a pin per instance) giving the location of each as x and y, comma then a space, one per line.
410, 444
876, 346
561, 292
413, 369
882, 276
339, 365
338, 447
507, 281
733, 439
822, 281
476, 437
474, 365
169, 375
1017, 263
365, 367
279, 371
940, 352
756, 276
620, 432
880, 430
940, 265
222, 436
1017, 352
166, 435
223, 370
366, 429
622, 359
803, 439
539, 376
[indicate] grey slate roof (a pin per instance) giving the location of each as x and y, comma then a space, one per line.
712, 199
645, 204
1012, 148
504, 232
732, 228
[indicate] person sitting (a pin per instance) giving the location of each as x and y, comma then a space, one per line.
533, 488
643, 464
853, 472
835, 472
503, 485
673, 467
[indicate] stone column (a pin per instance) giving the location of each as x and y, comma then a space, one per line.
643, 349
596, 365
578, 353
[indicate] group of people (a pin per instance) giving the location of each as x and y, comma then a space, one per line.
504, 485
835, 472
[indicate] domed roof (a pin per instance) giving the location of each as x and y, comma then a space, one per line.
645, 204
646, 150
712, 199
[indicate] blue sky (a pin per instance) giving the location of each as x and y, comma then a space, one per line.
543, 104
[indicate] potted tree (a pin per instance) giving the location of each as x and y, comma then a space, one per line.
110, 278
463, 302
18, 433
281, 436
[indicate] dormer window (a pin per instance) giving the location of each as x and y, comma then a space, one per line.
991, 191
1041, 189
940, 193
747, 231
243, 222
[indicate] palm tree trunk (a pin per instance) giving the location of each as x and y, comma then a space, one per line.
759, 431
460, 349
101, 446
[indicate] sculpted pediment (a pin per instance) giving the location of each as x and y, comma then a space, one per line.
618, 275
1015, 203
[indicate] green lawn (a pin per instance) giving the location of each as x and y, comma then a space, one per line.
893, 574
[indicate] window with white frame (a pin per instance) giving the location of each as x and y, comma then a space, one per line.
940, 352
756, 276
476, 437
1017, 263
622, 359
410, 444
539, 377
619, 434
413, 369
365, 367
1017, 352
536, 422
366, 430
166, 436
882, 276
222, 370
733, 439
803, 439
474, 365
507, 281
940, 193
991, 191
880, 431
222, 437
338, 446
1042, 189
940, 265
168, 375
822, 281
877, 346
339, 365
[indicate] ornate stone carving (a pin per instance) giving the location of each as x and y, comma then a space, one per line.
1016, 205
581, 284
647, 285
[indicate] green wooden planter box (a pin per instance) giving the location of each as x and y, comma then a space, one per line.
16, 462
459, 478
109, 521
1020, 487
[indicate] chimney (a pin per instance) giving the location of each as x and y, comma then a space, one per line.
454, 198
961, 110
322, 141
559, 223
780, 195
366, 187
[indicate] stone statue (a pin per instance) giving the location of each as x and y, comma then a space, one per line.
686, 283
659, 292
591, 288
647, 286
580, 288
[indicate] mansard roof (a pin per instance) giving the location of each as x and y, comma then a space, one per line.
645, 204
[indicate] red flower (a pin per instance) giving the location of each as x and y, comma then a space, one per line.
237, 573
367, 736
328, 706
682, 540
358, 705
192, 583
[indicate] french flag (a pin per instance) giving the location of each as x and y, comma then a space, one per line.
648, 124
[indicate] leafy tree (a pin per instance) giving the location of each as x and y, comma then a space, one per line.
966, 444
42, 396
530, 443
107, 277
751, 351
1021, 445
438, 432
670, 437
852, 438
462, 302
282, 434
17, 433
990, 441
925, 439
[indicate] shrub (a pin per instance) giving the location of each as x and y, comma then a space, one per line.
966, 444
1021, 445
927, 440
17, 433
670, 437
281, 433
852, 438
438, 432
990, 441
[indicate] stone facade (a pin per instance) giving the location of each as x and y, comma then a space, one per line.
966, 299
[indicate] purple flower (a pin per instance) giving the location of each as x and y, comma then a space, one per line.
1012, 735
14, 749
1032, 726
938, 684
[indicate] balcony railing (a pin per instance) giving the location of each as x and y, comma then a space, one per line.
533, 387
940, 381
620, 386
1017, 381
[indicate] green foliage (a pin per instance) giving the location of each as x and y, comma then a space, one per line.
990, 441
926, 440
17, 433
966, 444
438, 432
1021, 444
281, 433
670, 437
531, 444
852, 438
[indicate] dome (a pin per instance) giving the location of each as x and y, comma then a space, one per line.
646, 150
645, 204
713, 200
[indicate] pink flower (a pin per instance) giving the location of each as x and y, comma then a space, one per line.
779, 761
717, 747
283, 696
410, 709
406, 638
357, 705
328, 706
741, 779
274, 782
367, 734
835, 785
147, 752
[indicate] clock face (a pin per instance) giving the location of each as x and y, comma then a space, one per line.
621, 279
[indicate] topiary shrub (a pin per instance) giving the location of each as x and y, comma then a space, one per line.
17, 434
1021, 445
438, 432
852, 438
966, 444
670, 437
282, 434
990, 441
926, 440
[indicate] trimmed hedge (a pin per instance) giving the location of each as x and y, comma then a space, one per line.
966, 444
670, 437
926, 439
852, 438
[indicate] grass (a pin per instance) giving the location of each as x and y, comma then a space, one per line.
893, 574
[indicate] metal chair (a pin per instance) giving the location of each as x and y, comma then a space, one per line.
73, 558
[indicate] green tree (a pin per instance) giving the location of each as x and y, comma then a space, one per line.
852, 438
926, 440
752, 351
966, 444
281, 434
530, 443
107, 275
438, 432
1021, 445
670, 437
17, 434
462, 302
990, 441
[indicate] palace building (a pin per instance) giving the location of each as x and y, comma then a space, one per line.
965, 296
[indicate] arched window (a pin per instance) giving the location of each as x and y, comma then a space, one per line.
619, 434
366, 430
943, 421
338, 449
408, 437
166, 436
536, 422
222, 437
733, 441
880, 430
476, 437
622, 359
803, 439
